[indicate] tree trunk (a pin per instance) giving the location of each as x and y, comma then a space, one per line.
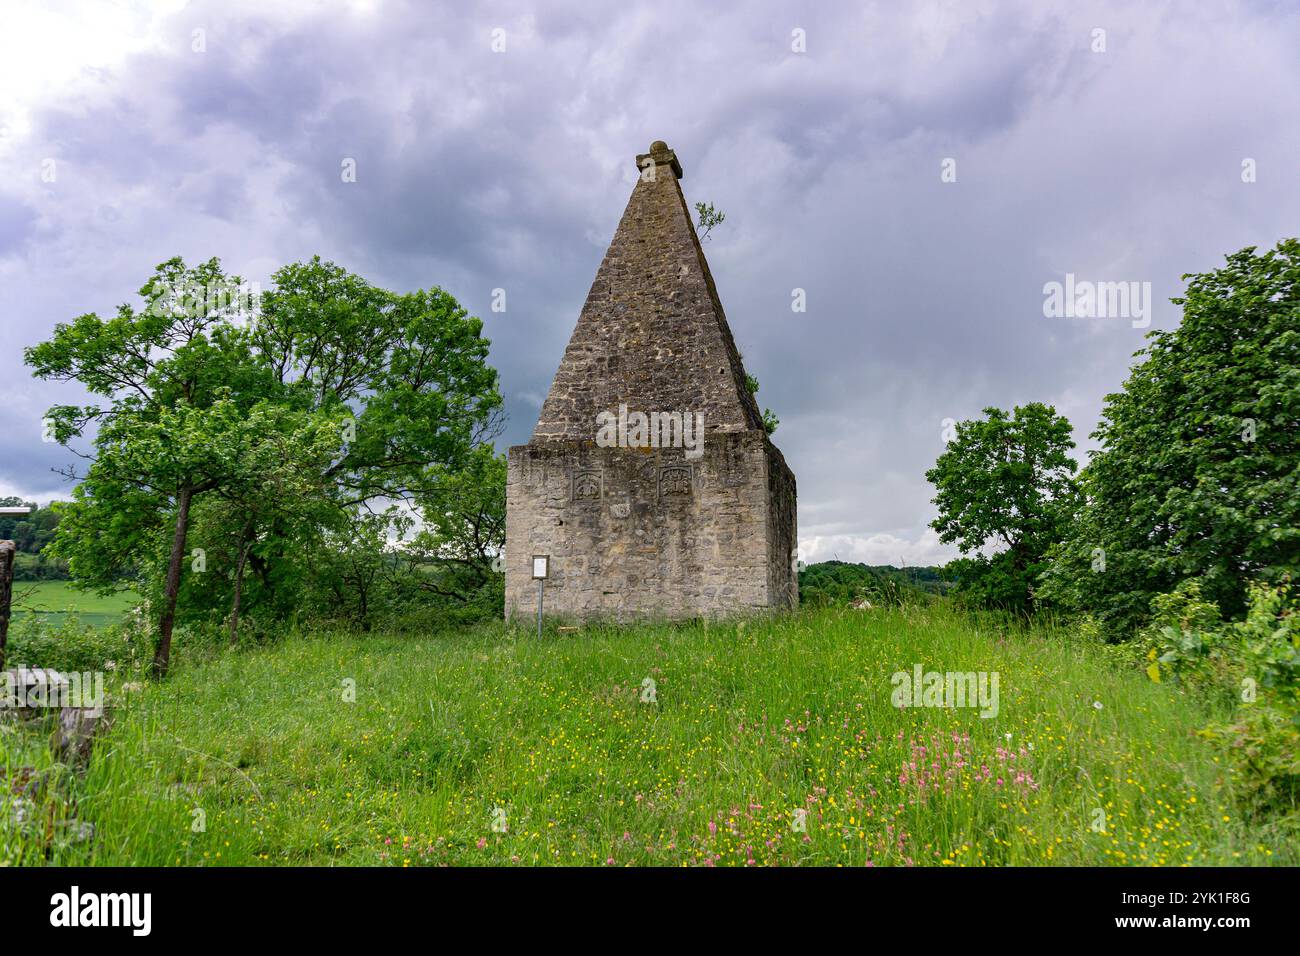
7, 553
245, 542
162, 656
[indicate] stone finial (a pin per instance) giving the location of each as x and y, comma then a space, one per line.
660, 155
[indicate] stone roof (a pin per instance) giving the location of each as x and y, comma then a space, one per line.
652, 334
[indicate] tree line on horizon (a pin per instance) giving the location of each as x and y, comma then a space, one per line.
30, 534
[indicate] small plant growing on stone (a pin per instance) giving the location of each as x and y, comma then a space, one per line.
708, 218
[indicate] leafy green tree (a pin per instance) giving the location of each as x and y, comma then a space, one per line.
464, 532
353, 575
281, 498
180, 381
1198, 473
144, 470
1006, 493
411, 368
329, 390
30, 533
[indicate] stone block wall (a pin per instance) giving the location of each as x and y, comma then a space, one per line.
645, 533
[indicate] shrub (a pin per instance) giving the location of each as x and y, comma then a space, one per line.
1185, 642
39, 567
831, 583
1264, 745
69, 645
1252, 666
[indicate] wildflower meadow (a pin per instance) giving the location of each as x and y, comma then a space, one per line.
771, 741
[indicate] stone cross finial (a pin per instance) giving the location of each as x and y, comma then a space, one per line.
660, 155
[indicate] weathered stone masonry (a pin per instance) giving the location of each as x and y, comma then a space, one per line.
647, 532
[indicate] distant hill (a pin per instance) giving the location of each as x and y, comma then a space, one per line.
838, 582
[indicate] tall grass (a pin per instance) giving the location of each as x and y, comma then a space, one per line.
258, 757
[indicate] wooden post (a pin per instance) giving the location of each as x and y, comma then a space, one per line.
540, 582
541, 570
7, 552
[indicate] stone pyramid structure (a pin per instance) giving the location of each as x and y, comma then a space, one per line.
649, 480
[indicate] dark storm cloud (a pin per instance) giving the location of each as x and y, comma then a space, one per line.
479, 170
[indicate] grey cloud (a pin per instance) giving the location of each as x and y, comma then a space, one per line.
17, 221
479, 171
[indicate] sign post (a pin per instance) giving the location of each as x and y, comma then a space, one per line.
8, 553
541, 567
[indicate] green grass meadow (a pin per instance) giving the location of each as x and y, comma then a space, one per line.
54, 601
487, 746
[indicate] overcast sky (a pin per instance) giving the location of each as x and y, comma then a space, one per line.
821, 129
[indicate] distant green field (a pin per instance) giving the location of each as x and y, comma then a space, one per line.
54, 600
